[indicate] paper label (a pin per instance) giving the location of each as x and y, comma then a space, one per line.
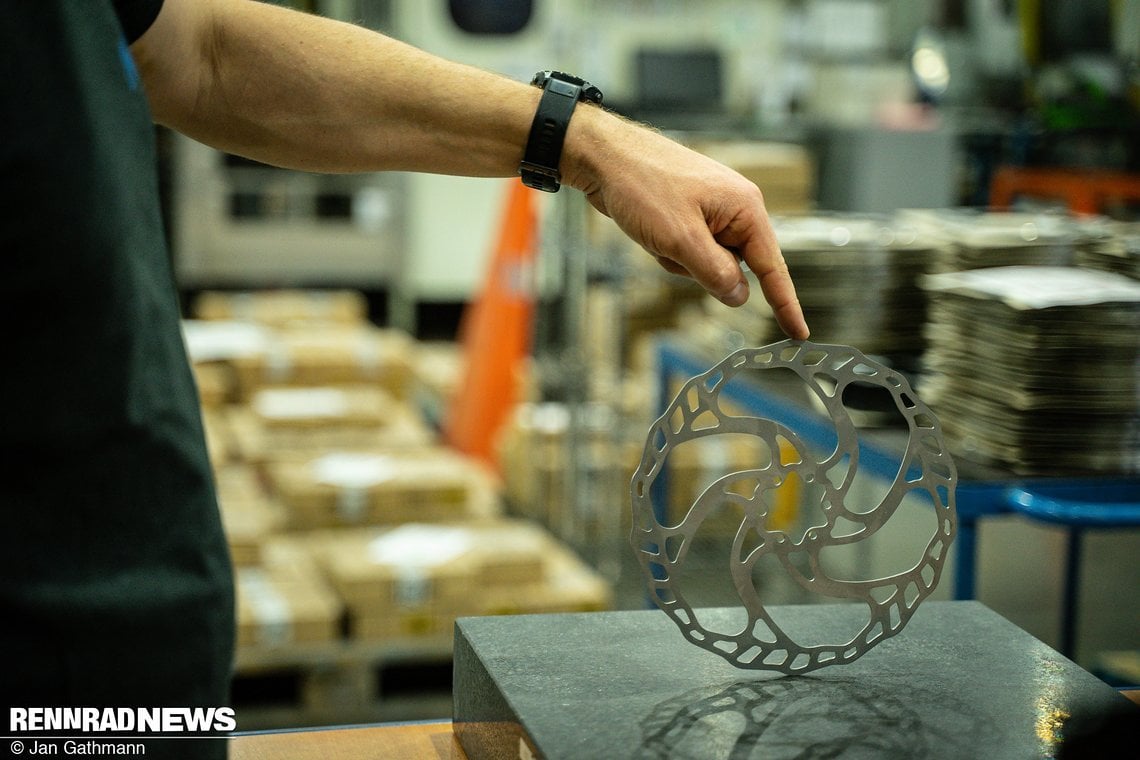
218, 341
1040, 287
413, 587
301, 403
420, 546
351, 470
550, 418
352, 504
368, 355
270, 609
278, 363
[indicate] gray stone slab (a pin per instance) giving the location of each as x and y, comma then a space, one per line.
958, 681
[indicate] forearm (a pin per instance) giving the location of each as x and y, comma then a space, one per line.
311, 93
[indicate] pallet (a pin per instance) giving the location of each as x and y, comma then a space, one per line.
341, 683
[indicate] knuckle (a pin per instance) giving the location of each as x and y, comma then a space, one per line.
723, 278
753, 193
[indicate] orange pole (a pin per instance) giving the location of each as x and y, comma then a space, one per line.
496, 332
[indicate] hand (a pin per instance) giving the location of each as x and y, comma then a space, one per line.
694, 215
299, 91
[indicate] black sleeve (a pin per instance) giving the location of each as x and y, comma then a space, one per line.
136, 16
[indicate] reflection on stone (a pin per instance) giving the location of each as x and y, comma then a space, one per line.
811, 717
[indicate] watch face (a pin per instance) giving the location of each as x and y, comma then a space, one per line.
589, 92
568, 78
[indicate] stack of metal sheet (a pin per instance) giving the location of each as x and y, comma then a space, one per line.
856, 279
975, 239
1115, 248
1036, 368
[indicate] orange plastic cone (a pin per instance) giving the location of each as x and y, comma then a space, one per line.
496, 332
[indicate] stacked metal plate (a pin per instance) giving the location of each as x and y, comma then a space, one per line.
975, 239
856, 279
1115, 247
1036, 368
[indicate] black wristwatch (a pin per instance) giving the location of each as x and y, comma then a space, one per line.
560, 94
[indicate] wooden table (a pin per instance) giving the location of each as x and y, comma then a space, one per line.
405, 741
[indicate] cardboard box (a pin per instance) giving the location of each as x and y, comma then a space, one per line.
285, 601
696, 464
342, 488
509, 552
250, 517
283, 422
534, 455
415, 579
321, 407
220, 445
215, 383
330, 356
566, 584
398, 624
405, 581
438, 368
281, 308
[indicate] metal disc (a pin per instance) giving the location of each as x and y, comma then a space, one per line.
696, 413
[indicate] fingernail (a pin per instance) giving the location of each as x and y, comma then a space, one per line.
737, 295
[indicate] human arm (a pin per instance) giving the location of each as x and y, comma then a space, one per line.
310, 93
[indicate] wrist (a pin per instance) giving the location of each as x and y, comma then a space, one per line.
589, 139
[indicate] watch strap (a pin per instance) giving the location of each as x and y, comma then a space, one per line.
539, 167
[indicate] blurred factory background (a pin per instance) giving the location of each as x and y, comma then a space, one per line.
911, 153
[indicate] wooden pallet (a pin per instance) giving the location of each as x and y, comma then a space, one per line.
342, 683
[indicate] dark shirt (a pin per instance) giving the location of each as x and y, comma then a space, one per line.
115, 582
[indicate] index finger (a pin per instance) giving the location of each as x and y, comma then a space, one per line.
761, 252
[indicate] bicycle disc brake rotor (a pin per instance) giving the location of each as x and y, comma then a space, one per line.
696, 413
